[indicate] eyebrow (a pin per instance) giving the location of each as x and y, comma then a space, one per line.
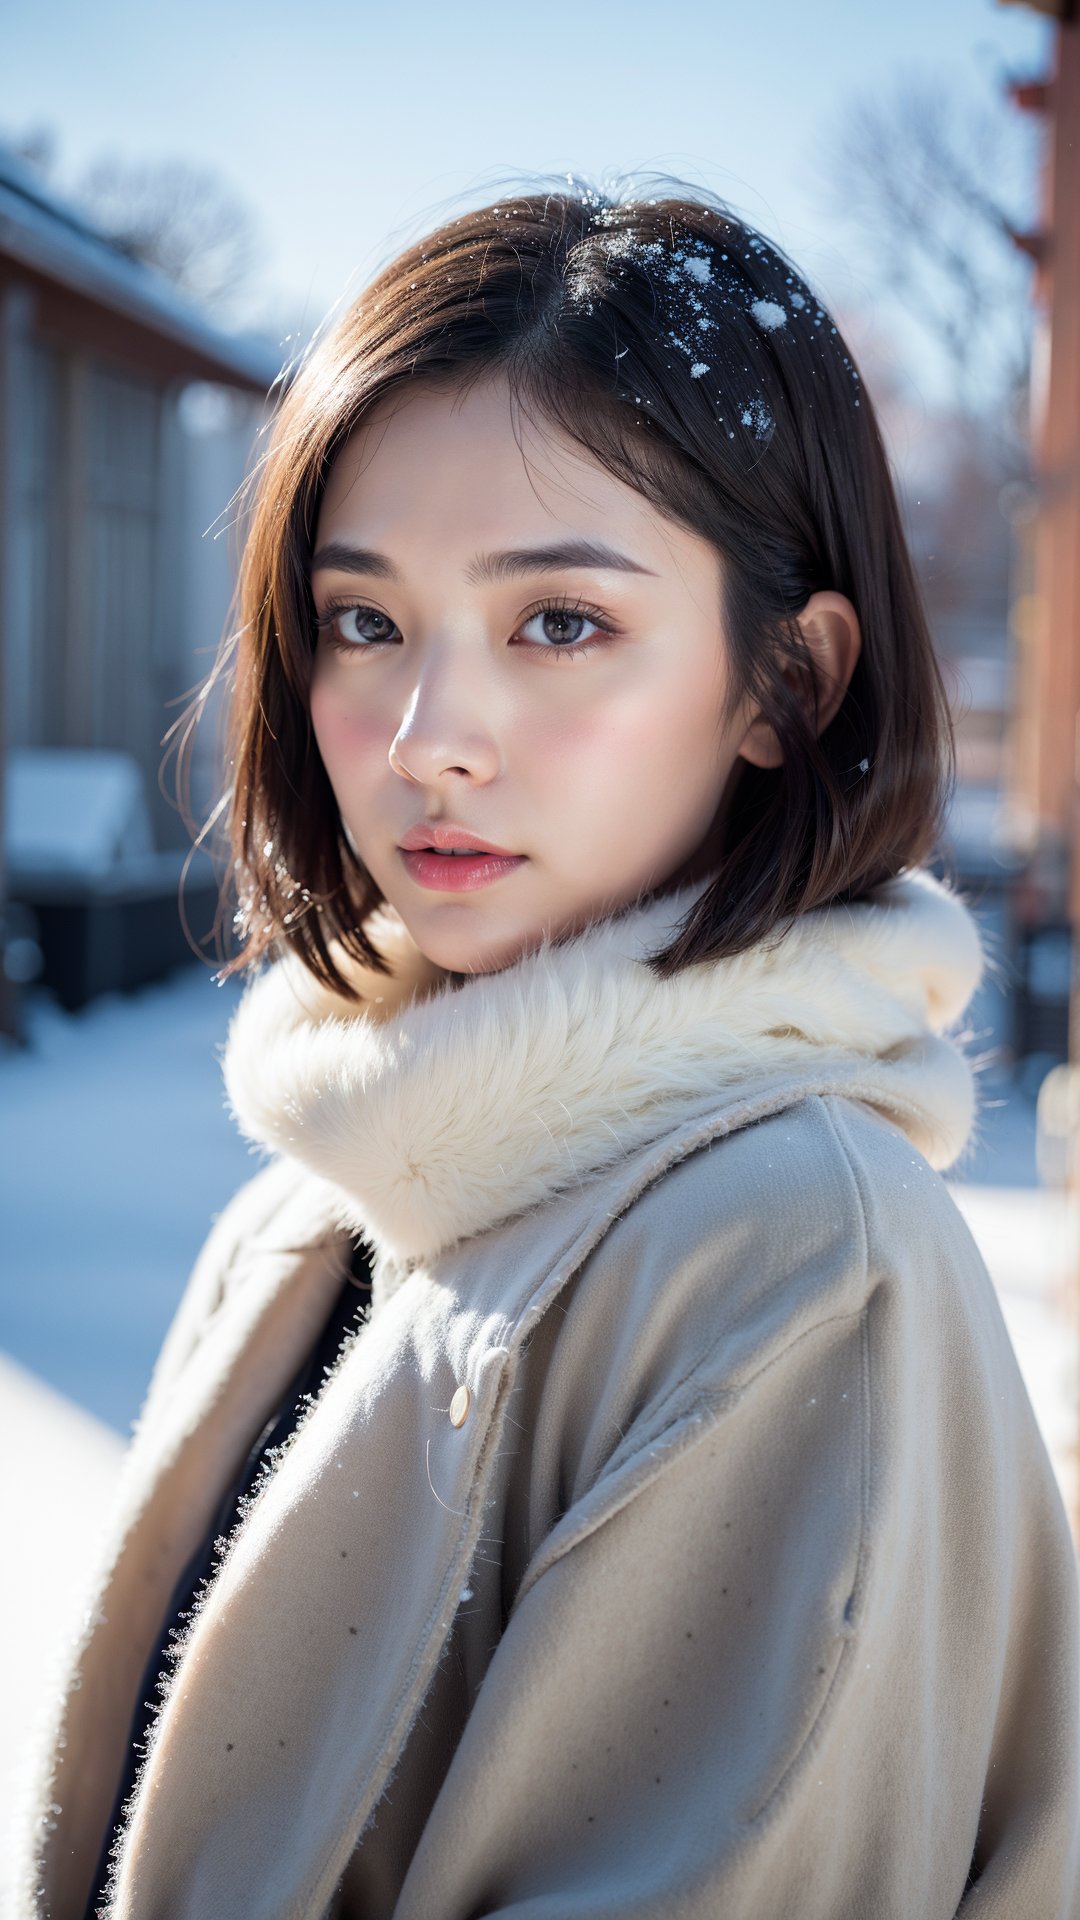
510, 564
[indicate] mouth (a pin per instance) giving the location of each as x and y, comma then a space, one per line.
447, 859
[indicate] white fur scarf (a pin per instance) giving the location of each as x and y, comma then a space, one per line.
437, 1110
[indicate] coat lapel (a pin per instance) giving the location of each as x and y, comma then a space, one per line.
301, 1674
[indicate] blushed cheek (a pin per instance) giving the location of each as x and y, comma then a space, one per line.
642, 775
353, 741
597, 738
636, 745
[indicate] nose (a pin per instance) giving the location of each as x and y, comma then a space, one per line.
444, 733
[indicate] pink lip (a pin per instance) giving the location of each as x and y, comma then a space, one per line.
441, 835
426, 852
457, 873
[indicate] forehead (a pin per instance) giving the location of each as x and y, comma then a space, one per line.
472, 463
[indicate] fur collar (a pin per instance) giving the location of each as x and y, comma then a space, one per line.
438, 1109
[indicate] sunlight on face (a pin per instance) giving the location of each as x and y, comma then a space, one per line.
567, 715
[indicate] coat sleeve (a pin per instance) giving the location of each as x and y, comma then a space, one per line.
766, 1668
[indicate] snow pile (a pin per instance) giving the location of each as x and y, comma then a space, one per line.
74, 811
118, 1151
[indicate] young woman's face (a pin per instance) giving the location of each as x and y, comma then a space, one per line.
514, 648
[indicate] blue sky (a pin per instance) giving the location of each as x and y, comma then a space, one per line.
351, 129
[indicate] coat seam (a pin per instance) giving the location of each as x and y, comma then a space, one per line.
671, 1393
850, 1159
849, 1627
853, 1609
719, 1400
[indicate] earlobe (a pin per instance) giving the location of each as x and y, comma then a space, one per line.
760, 745
830, 630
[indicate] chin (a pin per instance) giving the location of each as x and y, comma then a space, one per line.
465, 948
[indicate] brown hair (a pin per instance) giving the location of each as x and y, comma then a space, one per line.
685, 353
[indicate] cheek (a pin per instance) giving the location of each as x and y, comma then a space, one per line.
351, 738
649, 745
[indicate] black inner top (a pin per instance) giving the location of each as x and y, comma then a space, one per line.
353, 1295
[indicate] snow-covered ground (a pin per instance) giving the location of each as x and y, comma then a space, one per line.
54, 1494
117, 1153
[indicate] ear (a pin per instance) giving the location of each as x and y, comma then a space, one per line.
829, 626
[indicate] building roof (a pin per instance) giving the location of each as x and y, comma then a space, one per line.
54, 241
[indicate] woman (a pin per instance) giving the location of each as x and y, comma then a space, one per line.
671, 1534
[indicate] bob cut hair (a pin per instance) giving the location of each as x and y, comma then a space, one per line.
685, 354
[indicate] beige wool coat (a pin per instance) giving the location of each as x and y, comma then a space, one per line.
675, 1538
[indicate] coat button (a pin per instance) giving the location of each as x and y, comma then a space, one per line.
459, 1406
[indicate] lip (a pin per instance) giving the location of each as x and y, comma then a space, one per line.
441, 835
457, 872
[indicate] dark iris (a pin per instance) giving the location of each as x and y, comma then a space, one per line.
562, 614
363, 614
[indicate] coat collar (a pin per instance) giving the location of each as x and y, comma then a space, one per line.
438, 1110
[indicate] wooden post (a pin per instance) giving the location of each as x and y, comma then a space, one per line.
1063, 462
75, 705
1050, 728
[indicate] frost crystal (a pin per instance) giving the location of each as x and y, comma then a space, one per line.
768, 314
757, 416
699, 367
697, 266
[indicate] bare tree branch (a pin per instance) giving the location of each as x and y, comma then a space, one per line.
936, 184
178, 218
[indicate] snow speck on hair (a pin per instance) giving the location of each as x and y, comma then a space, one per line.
769, 314
757, 416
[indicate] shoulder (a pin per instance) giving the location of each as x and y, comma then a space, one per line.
812, 1206
821, 1220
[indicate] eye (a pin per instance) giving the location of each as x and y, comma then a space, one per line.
558, 627
350, 628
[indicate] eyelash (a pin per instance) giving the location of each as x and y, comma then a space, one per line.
568, 649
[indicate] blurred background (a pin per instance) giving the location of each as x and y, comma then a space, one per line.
184, 202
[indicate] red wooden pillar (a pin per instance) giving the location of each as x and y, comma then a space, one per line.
1047, 761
